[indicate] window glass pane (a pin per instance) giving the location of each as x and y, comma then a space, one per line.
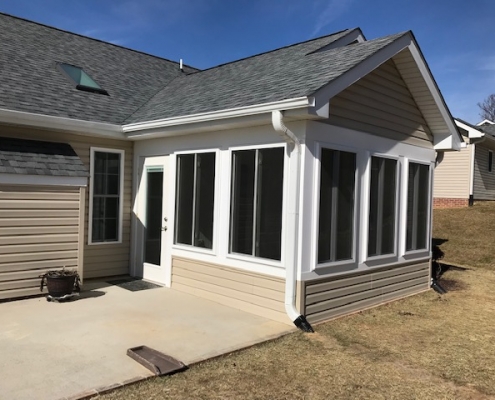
97, 232
243, 179
417, 207
345, 213
382, 206
184, 200
336, 215
269, 203
204, 202
79, 76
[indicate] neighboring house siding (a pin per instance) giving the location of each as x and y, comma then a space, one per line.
484, 180
39, 231
380, 103
336, 296
248, 291
100, 260
452, 175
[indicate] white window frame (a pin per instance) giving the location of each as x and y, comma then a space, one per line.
94, 150
190, 247
247, 257
418, 252
316, 204
367, 204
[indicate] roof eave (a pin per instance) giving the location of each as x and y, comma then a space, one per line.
76, 126
240, 116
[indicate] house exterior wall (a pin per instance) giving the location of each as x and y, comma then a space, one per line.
484, 180
380, 103
39, 231
100, 260
332, 297
453, 179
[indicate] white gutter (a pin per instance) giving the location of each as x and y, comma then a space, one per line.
289, 104
293, 210
61, 124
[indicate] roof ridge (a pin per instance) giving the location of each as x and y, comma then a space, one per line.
95, 39
271, 51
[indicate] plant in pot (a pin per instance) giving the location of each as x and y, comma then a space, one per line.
60, 283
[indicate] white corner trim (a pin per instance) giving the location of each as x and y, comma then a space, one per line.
121, 193
289, 104
61, 124
42, 180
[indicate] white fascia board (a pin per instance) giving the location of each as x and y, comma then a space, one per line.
472, 133
42, 180
438, 138
486, 121
208, 117
77, 126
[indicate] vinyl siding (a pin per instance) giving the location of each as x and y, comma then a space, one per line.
452, 175
333, 297
380, 103
255, 293
100, 260
484, 181
39, 231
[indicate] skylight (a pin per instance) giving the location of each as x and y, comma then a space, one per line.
82, 80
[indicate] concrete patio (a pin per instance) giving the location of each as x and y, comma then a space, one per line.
73, 349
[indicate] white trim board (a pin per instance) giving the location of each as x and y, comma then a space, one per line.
42, 180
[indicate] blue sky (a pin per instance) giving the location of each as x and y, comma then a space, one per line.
456, 36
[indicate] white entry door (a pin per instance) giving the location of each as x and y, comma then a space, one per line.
153, 218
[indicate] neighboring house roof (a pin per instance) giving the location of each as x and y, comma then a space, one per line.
31, 81
33, 157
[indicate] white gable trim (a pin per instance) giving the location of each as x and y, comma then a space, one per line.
472, 133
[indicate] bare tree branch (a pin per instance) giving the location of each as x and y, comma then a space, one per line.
488, 108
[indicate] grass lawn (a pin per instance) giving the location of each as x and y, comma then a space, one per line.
423, 347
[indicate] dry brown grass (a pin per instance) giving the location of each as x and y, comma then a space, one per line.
422, 347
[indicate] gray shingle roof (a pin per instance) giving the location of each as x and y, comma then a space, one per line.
31, 82
487, 128
33, 157
286, 73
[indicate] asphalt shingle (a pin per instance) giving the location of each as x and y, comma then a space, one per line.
34, 157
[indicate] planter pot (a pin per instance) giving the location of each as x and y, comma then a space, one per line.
59, 286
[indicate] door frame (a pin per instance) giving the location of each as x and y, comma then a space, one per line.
160, 274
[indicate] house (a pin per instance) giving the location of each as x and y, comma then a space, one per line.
467, 175
293, 184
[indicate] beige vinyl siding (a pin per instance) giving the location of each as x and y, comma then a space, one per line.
332, 297
452, 174
255, 293
484, 181
380, 103
100, 260
39, 231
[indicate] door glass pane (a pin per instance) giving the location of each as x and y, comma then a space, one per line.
154, 201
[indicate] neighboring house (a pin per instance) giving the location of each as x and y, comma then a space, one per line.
468, 175
292, 183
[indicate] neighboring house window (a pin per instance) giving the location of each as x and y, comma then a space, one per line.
336, 215
106, 192
490, 160
195, 183
417, 206
256, 202
82, 80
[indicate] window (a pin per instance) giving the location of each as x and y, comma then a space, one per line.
490, 160
256, 202
417, 206
82, 80
336, 218
106, 195
194, 201
381, 227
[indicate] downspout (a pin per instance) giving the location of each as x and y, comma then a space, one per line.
293, 208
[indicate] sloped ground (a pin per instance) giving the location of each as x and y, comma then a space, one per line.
424, 347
